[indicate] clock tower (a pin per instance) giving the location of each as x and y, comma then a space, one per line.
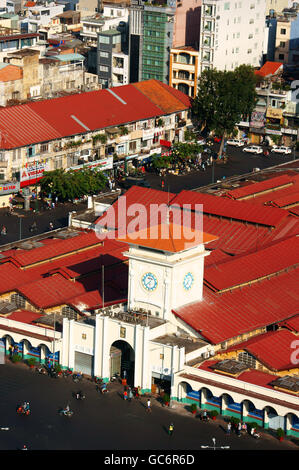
165, 270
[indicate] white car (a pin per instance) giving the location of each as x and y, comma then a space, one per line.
281, 149
236, 142
253, 149
201, 141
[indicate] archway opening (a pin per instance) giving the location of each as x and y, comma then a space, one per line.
122, 360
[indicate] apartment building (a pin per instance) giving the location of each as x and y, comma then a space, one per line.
232, 33
112, 62
286, 47
183, 69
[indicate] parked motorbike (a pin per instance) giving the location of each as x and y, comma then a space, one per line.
66, 412
77, 378
41, 370
67, 373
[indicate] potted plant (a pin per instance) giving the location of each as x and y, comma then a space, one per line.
16, 358
280, 434
166, 399
193, 408
213, 414
31, 362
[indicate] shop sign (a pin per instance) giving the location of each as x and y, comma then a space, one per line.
32, 173
274, 113
105, 164
257, 119
272, 131
9, 188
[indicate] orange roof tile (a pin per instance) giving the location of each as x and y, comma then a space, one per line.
172, 238
167, 99
10, 73
269, 68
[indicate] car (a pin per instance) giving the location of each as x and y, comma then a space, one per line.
253, 149
281, 149
236, 142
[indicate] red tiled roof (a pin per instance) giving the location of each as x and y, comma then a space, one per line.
219, 317
163, 96
24, 316
269, 68
256, 188
273, 349
74, 114
148, 199
256, 265
50, 291
235, 210
11, 73
54, 248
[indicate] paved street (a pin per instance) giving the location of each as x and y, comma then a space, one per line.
19, 223
238, 163
102, 422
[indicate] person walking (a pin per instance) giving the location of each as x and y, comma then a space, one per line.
148, 406
3, 230
171, 429
239, 429
51, 226
125, 395
130, 395
229, 427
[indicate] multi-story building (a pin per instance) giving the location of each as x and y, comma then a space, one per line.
151, 30
286, 48
40, 15
232, 33
112, 62
183, 69
278, 5
13, 40
98, 125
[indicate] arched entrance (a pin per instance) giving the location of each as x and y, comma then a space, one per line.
122, 360
272, 419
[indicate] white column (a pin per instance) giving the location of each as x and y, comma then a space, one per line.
146, 371
138, 355
173, 369
166, 295
131, 298
181, 359
97, 350
71, 345
105, 353
65, 343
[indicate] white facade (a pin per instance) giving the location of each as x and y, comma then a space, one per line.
232, 33
39, 16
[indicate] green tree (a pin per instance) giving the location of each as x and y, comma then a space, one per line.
223, 99
73, 184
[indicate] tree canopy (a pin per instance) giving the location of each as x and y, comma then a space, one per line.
72, 184
224, 98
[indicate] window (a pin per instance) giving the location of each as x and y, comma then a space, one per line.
19, 300
281, 56
282, 44
226, 6
283, 31
69, 312
44, 148
104, 54
247, 359
103, 68
122, 332
104, 39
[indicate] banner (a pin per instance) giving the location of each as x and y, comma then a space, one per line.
9, 188
32, 173
257, 120
104, 164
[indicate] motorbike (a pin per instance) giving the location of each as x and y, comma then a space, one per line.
66, 373
22, 410
77, 378
114, 377
41, 370
79, 395
65, 412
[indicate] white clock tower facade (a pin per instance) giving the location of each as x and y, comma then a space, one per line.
160, 281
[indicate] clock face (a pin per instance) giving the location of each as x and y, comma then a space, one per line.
188, 281
149, 281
